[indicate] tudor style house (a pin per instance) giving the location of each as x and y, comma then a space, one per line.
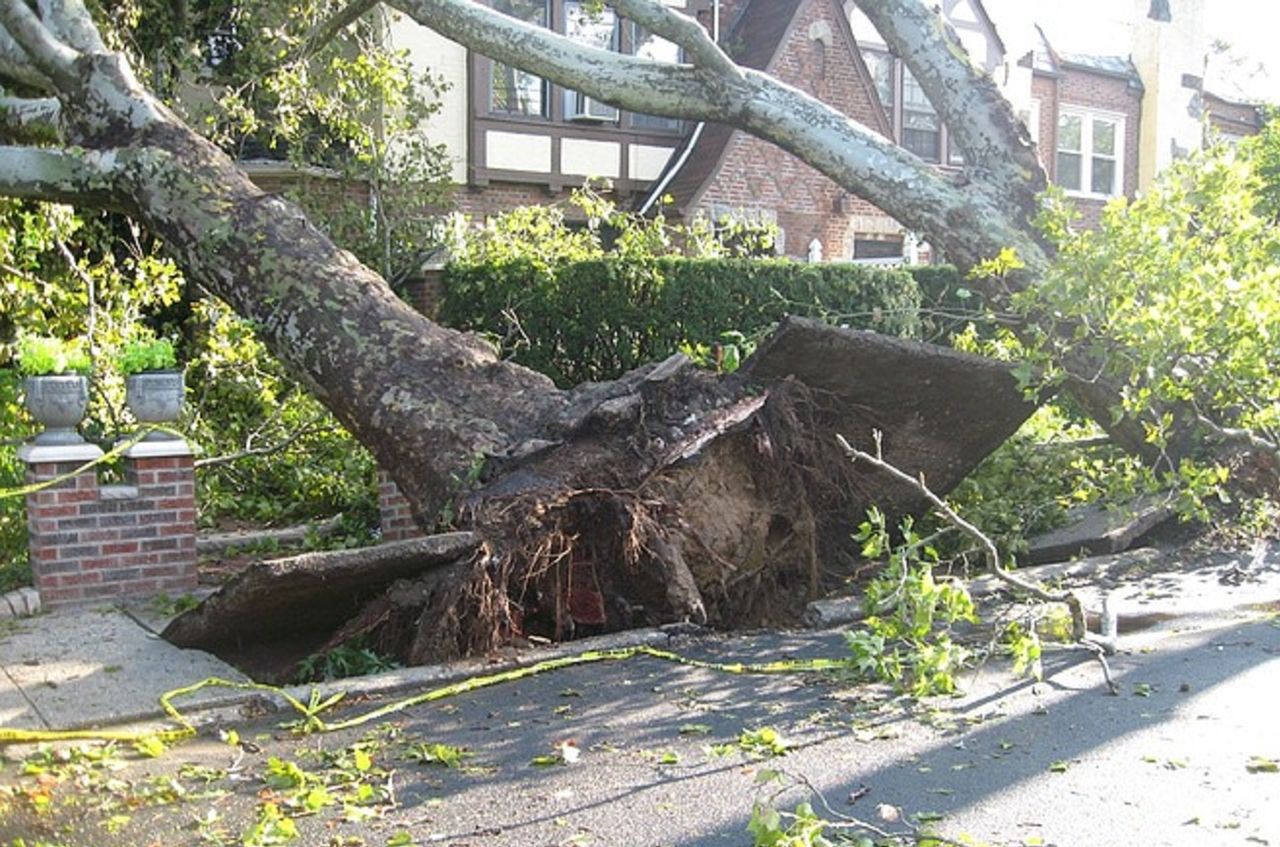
1104, 125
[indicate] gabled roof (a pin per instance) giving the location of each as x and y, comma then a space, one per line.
1117, 66
1047, 60
755, 41
985, 18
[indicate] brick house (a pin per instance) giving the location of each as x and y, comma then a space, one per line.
1104, 124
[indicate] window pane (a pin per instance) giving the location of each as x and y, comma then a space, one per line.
922, 142
1069, 133
913, 96
1104, 137
1103, 178
649, 46
594, 29
1069, 170
881, 67
515, 91
597, 29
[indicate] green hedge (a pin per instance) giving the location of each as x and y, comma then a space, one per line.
596, 319
948, 303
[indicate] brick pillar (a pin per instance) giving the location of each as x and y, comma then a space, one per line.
425, 292
396, 516
90, 542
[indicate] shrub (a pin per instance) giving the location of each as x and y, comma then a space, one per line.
41, 355
597, 318
146, 354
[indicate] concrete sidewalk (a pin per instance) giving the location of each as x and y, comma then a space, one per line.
107, 666
95, 668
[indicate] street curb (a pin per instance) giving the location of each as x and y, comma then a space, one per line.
224, 710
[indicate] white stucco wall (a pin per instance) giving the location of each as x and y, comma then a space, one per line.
442, 58
1164, 52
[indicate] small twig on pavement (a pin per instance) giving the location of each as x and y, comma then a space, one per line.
845, 821
1099, 645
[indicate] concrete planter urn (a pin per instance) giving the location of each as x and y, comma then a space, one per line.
58, 402
155, 397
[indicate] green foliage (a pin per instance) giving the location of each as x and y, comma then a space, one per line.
1049, 465
802, 828
1176, 294
341, 662
42, 355
949, 306
146, 354
906, 637
595, 319
590, 301
241, 399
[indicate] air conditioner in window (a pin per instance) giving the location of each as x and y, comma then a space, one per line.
582, 109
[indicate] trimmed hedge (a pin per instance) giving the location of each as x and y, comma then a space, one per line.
948, 303
597, 319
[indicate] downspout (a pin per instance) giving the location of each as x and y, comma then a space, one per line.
671, 172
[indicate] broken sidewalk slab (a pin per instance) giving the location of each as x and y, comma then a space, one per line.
80, 668
940, 411
309, 593
1095, 530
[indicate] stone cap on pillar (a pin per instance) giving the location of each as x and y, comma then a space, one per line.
159, 449
41, 454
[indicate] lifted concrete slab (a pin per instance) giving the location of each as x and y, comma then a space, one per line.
81, 668
1096, 531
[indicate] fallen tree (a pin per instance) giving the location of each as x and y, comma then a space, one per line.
667, 494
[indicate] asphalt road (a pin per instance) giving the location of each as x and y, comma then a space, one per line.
1170, 761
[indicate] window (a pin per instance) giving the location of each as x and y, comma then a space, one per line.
881, 67
511, 90
595, 29
921, 128
1089, 154
646, 45
513, 93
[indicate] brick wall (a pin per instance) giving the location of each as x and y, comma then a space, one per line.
1083, 89
425, 292
1231, 118
1045, 89
393, 510
756, 175
90, 542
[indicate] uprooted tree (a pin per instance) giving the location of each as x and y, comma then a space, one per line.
668, 494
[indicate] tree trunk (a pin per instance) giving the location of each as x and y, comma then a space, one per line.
677, 495
669, 494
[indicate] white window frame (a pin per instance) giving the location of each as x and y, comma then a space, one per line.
1087, 117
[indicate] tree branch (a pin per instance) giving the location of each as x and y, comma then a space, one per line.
328, 29
23, 119
996, 145
680, 29
859, 160
628, 82
49, 55
60, 176
17, 68
1098, 645
71, 22
308, 428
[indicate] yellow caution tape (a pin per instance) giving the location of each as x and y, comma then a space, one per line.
309, 713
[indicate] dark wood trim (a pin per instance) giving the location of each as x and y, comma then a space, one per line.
552, 124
